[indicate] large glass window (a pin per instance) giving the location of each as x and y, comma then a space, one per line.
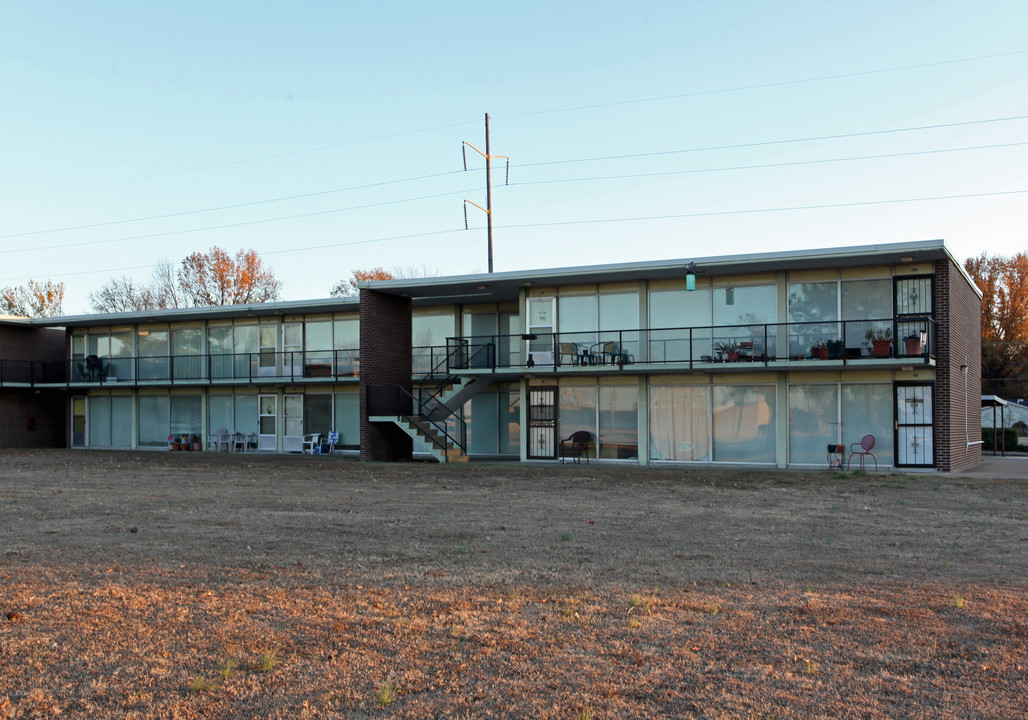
813, 422
185, 350
317, 357
744, 422
576, 406
428, 340
99, 422
510, 422
576, 324
246, 414
868, 303
246, 344
672, 314
347, 342
740, 315
679, 421
220, 413
121, 356
185, 414
867, 410
619, 322
348, 419
619, 421
154, 423
78, 421
154, 350
219, 345
482, 418
813, 310
317, 414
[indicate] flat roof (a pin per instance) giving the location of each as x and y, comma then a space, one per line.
506, 286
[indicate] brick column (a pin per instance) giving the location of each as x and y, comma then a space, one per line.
385, 360
30, 417
958, 314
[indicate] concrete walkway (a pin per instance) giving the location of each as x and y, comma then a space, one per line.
1008, 468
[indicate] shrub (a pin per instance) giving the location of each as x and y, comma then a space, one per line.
1009, 436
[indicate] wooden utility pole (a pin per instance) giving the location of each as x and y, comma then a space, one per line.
488, 209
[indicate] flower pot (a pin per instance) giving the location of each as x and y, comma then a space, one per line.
913, 345
176, 446
732, 355
820, 353
881, 348
196, 446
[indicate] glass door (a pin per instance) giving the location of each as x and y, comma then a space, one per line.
292, 349
267, 358
267, 422
539, 331
915, 445
292, 417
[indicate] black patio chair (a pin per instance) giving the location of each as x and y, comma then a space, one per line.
576, 446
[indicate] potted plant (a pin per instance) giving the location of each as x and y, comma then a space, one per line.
880, 341
915, 343
173, 443
184, 442
835, 348
729, 350
196, 442
819, 349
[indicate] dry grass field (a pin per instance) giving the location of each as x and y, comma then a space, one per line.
189, 585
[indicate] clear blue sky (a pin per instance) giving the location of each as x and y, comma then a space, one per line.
116, 111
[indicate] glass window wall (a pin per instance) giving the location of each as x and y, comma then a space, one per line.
317, 359
577, 411
740, 315
219, 346
185, 350
813, 422
813, 310
185, 415
428, 340
619, 421
868, 303
679, 422
348, 419
744, 422
867, 410
317, 414
619, 323
154, 422
347, 342
154, 350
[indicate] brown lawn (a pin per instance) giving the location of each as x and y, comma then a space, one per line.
182, 585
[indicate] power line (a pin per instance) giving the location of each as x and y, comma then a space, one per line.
761, 86
230, 163
777, 142
229, 207
584, 222
229, 225
767, 165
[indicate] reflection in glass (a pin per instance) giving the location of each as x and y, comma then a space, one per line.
744, 420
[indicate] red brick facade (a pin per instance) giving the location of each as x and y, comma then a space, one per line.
385, 360
957, 392
31, 418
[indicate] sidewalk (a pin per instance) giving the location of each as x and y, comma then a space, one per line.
1008, 468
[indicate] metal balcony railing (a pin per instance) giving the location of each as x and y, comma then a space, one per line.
845, 341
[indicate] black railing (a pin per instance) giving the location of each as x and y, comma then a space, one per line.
395, 401
249, 367
839, 340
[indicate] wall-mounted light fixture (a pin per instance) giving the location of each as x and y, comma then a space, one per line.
690, 277
963, 369
730, 296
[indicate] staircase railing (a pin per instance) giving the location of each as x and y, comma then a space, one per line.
395, 400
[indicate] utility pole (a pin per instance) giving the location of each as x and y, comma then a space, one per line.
488, 209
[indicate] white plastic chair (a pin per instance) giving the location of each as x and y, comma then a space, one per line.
218, 439
310, 442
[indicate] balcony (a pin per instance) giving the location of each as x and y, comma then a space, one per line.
237, 368
717, 347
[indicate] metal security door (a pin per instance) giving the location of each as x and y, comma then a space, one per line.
915, 437
542, 424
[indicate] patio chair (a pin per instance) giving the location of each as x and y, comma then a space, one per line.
239, 441
330, 442
569, 350
576, 446
218, 440
310, 442
617, 353
864, 448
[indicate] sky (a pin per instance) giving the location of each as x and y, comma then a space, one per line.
328, 135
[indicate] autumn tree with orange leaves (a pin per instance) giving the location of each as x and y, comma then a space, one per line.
352, 285
42, 299
1004, 285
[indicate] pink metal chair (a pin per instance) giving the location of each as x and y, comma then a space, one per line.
865, 446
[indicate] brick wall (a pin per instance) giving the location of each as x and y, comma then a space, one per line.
32, 417
385, 360
957, 396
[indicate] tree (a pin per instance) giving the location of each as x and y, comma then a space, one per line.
33, 299
351, 286
1004, 285
123, 295
216, 278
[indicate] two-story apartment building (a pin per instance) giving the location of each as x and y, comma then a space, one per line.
761, 359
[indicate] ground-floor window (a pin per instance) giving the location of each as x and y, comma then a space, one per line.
164, 415
723, 423
493, 421
823, 414
78, 422
609, 413
110, 421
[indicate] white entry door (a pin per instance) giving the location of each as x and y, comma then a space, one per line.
539, 328
292, 416
267, 422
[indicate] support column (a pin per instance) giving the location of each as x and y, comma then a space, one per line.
385, 355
